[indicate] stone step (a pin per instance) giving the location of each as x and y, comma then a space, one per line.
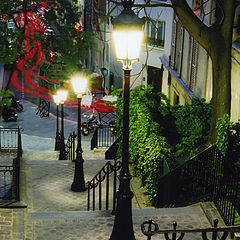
46, 155
98, 225
46, 177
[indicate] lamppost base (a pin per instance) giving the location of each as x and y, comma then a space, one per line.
57, 143
75, 187
123, 224
78, 184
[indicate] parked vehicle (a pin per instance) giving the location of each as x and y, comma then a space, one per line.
9, 113
16, 104
113, 127
89, 125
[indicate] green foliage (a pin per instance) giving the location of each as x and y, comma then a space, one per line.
4, 94
161, 134
193, 125
68, 44
234, 144
147, 148
223, 126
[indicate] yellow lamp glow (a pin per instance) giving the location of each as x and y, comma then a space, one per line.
62, 95
56, 99
127, 44
79, 83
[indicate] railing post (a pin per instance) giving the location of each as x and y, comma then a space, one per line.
107, 186
114, 187
94, 139
74, 138
88, 202
93, 195
100, 191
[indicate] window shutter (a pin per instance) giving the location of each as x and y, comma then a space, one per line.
180, 56
193, 65
173, 45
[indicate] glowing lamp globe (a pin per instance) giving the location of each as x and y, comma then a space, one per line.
62, 95
56, 99
127, 34
79, 83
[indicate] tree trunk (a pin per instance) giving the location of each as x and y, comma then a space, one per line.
221, 100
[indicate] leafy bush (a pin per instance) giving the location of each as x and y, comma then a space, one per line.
161, 133
228, 140
4, 94
148, 149
193, 125
223, 126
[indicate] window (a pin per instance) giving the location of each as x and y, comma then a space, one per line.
155, 32
175, 98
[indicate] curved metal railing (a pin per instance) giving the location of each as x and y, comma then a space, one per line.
70, 147
111, 185
150, 228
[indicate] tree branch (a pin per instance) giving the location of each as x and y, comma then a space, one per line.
203, 34
148, 4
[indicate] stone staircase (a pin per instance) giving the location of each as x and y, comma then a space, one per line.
54, 212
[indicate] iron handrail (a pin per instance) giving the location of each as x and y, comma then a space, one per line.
205, 177
153, 228
70, 146
103, 174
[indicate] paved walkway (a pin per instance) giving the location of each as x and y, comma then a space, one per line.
53, 211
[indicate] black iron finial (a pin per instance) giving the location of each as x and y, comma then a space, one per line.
174, 235
127, 4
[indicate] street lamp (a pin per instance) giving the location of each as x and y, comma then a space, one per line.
79, 83
62, 95
127, 36
58, 136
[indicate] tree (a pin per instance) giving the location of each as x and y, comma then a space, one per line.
216, 39
42, 31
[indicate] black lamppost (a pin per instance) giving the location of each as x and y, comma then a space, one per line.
79, 83
58, 136
62, 94
127, 35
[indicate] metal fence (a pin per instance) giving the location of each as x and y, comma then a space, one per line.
8, 139
9, 173
202, 178
102, 137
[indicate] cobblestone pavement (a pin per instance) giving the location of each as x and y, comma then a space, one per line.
6, 223
98, 225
